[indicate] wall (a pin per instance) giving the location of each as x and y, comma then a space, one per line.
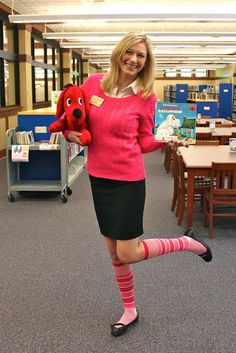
229, 73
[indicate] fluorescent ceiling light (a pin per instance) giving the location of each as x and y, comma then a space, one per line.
45, 18
177, 45
74, 45
99, 62
97, 38
228, 58
208, 67
87, 44
151, 35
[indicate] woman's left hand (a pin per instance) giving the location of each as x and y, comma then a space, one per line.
179, 143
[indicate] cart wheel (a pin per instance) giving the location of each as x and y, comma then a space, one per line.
11, 198
63, 198
68, 191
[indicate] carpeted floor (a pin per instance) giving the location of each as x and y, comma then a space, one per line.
58, 294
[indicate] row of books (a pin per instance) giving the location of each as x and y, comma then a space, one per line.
54, 138
24, 137
27, 137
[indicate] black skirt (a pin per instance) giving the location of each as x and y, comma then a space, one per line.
119, 207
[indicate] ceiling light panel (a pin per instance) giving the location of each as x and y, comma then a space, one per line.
132, 16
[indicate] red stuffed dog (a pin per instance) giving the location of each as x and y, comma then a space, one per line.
71, 111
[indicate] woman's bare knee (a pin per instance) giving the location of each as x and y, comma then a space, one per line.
125, 258
111, 245
125, 255
129, 251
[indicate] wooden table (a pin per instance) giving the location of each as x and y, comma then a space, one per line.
220, 132
198, 160
222, 121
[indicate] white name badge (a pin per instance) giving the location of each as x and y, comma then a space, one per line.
97, 101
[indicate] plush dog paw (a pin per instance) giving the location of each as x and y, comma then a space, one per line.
85, 138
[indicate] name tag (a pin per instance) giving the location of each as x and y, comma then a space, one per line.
97, 101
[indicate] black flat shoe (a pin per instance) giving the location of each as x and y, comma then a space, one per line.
206, 256
118, 329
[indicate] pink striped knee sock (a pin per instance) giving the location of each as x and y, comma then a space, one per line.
158, 247
125, 280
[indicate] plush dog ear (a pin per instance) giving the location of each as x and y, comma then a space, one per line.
86, 102
60, 107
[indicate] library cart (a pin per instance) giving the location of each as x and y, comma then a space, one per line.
50, 167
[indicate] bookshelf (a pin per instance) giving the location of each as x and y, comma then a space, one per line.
168, 93
212, 100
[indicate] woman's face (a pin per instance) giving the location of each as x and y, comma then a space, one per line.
133, 60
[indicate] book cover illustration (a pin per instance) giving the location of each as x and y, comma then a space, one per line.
175, 121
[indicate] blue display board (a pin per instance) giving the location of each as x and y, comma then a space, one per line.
37, 123
181, 93
225, 100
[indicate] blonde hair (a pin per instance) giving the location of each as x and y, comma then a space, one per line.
145, 77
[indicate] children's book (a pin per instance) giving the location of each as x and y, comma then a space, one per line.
175, 121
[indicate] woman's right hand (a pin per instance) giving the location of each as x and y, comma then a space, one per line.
74, 136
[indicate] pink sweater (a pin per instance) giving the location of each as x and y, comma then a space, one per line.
121, 130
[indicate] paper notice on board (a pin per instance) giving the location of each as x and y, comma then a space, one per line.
20, 153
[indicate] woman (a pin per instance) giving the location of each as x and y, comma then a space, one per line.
122, 105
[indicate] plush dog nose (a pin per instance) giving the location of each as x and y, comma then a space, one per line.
77, 113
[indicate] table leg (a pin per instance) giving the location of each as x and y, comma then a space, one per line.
190, 198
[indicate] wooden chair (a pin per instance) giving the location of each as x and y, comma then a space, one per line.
220, 199
202, 124
207, 142
168, 158
204, 136
222, 125
200, 183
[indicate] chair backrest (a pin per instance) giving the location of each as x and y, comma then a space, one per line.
223, 179
208, 142
221, 125
204, 136
233, 134
202, 124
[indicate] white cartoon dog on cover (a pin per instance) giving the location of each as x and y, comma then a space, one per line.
166, 129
